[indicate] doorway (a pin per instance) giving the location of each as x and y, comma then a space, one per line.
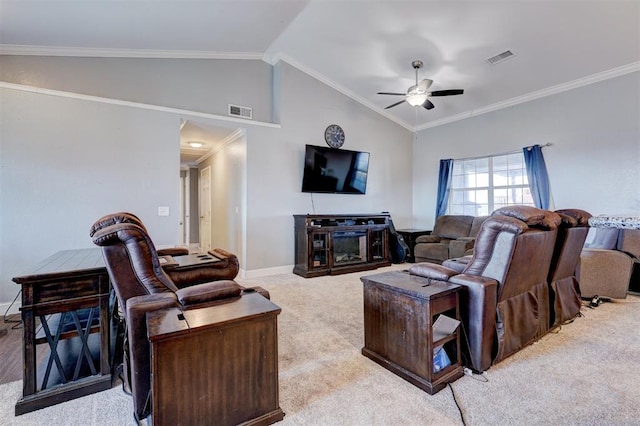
214, 158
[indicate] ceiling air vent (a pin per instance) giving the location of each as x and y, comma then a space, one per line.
240, 111
501, 57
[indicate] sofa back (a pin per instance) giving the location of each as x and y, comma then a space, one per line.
453, 226
629, 241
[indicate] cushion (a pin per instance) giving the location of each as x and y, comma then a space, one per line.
208, 292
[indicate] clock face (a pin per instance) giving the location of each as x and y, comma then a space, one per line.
334, 136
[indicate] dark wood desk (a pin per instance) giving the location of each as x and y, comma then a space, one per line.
72, 287
69, 294
216, 365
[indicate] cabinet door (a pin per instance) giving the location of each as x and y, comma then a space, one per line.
319, 253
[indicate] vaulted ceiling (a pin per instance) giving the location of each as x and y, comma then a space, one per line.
359, 47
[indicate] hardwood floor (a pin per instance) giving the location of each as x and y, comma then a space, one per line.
10, 349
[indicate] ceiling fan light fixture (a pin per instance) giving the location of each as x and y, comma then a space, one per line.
416, 99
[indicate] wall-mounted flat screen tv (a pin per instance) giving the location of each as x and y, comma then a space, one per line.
337, 171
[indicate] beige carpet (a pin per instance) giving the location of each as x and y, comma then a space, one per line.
586, 374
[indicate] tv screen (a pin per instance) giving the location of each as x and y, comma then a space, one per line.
337, 171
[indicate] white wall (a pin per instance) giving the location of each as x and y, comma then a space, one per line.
593, 162
64, 163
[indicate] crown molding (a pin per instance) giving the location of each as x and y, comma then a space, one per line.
237, 134
23, 50
272, 60
553, 90
91, 98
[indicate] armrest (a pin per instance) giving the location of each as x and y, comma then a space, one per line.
173, 251
459, 247
433, 271
478, 304
208, 292
138, 344
427, 239
604, 272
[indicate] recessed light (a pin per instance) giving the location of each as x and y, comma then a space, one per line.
195, 144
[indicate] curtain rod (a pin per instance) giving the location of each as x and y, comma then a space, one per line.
496, 155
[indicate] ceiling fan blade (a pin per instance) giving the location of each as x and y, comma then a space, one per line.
428, 104
447, 92
391, 93
392, 105
425, 84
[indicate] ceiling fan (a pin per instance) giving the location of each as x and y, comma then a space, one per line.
419, 95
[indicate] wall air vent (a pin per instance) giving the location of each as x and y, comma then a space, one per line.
501, 57
240, 111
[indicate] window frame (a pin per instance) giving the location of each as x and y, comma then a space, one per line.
491, 188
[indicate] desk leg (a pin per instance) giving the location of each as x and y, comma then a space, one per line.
29, 367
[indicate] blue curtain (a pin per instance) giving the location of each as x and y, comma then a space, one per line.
537, 174
444, 183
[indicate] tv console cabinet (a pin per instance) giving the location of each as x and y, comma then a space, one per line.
340, 244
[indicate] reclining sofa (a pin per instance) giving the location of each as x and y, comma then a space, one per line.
519, 282
453, 236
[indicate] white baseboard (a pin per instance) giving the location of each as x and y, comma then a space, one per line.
15, 308
257, 273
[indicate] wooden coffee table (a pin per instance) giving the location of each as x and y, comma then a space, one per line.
399, 312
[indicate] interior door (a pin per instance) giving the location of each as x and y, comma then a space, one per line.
205, 209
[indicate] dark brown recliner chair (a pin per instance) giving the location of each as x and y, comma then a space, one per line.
127, 217
142, 286
505, 299
225, 268
564, 289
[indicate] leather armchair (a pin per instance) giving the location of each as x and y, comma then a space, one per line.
505, 299
141, 286
608, 271
127, 217
452, 236
226, 268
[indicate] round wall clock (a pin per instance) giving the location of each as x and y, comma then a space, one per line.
334, 136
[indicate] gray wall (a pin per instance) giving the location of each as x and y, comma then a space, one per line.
276, 161
593, 162
66, 162
199, 85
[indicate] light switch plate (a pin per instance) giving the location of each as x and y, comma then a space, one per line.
163, 211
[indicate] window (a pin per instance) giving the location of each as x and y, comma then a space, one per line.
482, 185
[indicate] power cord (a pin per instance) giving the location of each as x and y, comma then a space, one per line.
455, 399
6, 318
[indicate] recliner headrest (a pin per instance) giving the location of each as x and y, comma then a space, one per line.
532, 216
581, 216
114, 218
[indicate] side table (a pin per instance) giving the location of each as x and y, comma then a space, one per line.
217, 364
410, 236
399, 313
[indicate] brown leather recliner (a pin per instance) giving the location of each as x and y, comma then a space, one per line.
505, 299
128, 217
142, 286
225, 268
